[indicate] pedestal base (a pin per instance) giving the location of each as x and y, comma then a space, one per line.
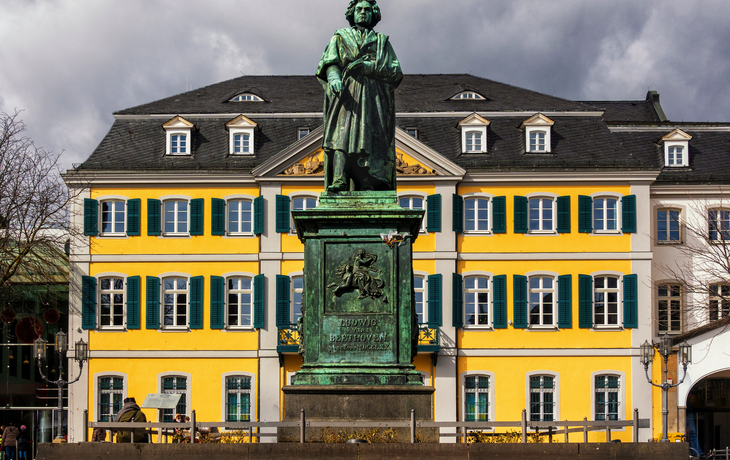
325, 403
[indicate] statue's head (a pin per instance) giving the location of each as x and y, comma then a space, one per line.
350, 13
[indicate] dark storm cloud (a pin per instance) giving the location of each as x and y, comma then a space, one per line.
71, 64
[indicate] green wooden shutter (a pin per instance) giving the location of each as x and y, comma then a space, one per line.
153, 302
457, 300
154, 218
88, 302
433, 213
585, 301
499, 214
196, 302
435, 283
565, 301
134, 213
258, 215
197, 216
521, 214
585, 214
519, 290
91, 217
458, 214
282, 214
259, 297
133, 283
564, 214
631, 313
283, 317
500, 301
217, 302
628, 214
217, 217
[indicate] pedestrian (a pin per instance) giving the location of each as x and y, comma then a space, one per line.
10, 440
131, 413
99, 435
24, 442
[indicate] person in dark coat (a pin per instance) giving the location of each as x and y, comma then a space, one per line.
23, 443
10, 440
131, 413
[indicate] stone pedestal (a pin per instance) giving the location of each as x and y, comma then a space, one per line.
357, 403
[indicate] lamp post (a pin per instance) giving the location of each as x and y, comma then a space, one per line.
664, 347
82, 354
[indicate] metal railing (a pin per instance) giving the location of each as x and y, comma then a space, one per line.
551, 428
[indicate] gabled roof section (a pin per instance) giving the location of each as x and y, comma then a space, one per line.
178, 122
241, 122
537, 120
474, 120
280, 162
677, 135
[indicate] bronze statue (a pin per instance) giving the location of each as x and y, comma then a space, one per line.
359, 72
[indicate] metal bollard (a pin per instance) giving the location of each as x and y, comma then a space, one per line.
566, 431
636, 425
585, 430
86, 425
302, 427
524, 426
192, 427
413, 426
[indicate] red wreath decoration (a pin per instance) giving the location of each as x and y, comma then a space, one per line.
7, 316
28, 329
51, 316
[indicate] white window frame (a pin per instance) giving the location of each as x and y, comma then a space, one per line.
490, 302
619, 300
491, 392
250, 276
228, 200
295, 196
556, 391
669, 298
252, 393
292, 291
112, 198
668, 210
676, 139
554, 211
540, 135
554, 277
603, 195
188, 393
302, 133
244, 146
241, 125
468, 96
720, 302
673, 149
472, 124
108, 275
174, 327
97, 391
538, 124
421, 196
424, 290
471, 136
246, 97
413, 132
719, 229
174, 198
479, 196
621, 392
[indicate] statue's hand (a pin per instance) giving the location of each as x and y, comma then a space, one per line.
335, 85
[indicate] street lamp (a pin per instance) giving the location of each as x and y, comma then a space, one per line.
82, 354
664, 347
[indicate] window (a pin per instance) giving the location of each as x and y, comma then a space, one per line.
670, 308
675, 156
537, 141
719, 224
241, 136
419, 289
297, 291
476, 300
175, 302
473, 141
113, 217
542, 301
240, 217
719, 301
240, 302
468, 95
667, 221
537, 133
238, 399
111, 302
476, 215
242, 143
176, 217
542, 398
413, 132
476, 398
542, 214
247, 97
178, 134
179, 144
414, 202
606, 301
676, 147
301, 203
175, 385
474, 134
111, 397
302, 133
607, 389
605, 214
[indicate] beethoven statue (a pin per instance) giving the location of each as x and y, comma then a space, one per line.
359, 72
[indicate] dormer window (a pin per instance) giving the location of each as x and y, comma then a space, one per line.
537, 133
676, 149
474, 134
241, 136
302, 133
178, 133
468, 95
247, 97
413, 132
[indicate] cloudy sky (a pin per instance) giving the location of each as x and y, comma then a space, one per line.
69, 64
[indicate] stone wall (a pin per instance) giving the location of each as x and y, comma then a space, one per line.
292, 451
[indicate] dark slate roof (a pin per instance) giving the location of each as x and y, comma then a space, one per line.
627, 111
